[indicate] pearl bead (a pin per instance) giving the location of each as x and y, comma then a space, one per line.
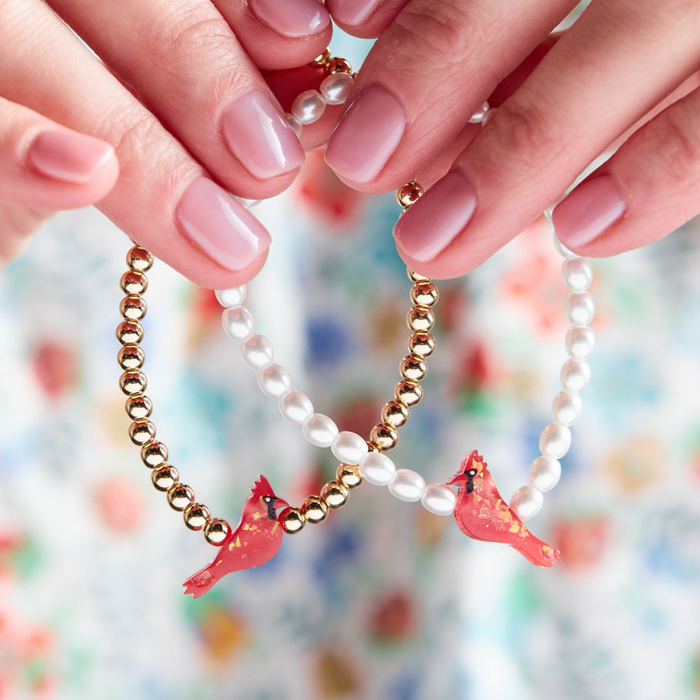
320, 430
545, 473
575, 375
407, 485
555, 440
580, 308
527, 502
566, 407
308, 106
577, 274
231, 297
349, 447
439, 499
257, 351
580, 342
377, 469
297, 126
558, 245
274, 381
238, 323
296, 407
480, 114
336, 88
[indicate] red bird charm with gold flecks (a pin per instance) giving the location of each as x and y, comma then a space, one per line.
482, 514
255, 541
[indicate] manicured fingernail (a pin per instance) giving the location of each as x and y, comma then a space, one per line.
68, 156
220, 226
258, 134
291, 17
436, 219
593, 207
367, 135
351, 12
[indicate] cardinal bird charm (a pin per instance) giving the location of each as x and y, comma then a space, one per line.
482, 514
255, 541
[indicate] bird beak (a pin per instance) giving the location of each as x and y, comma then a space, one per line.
454, 479
280, 503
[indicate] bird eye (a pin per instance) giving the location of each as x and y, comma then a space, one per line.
473, 472
266, 499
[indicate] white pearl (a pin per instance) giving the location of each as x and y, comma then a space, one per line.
558, 245
575, 375
320, 430
308, 106
488, 116
580, 341
480, 114
296, 407
566, 407
439, 499
555, 440
580, 308
377, 469
407, 485
274, 381
231, 297
297, 126
336, 88
545, 473
349, 447
527, 502
238, 323
257, 351
577, 274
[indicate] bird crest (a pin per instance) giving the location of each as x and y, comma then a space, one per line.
261, 488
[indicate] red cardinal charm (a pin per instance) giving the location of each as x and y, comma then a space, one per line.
255, 541
482, 514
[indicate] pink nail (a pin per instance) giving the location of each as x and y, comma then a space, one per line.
588, 211
68, 156
367, 135
436, 219
293, 18
220, 226
258, 134
351, 12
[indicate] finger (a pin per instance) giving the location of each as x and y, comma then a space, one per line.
423, 79
365, 18
591, 87
17, 223
163, 198
649, 188
200, 84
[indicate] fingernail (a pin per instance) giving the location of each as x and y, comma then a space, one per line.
220, 226
293, 18
258, 134
351, 12
589, 210
68, 156
436, 219
367, 135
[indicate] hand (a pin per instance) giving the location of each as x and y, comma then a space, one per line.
435, 63
176, 115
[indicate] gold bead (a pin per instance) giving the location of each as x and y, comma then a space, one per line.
139, 259
413, 367
420, 319
408, 392
165, 477
334, 494
415, 276
133, 307
324, 57
425, 293
131, 357
216, 531
129, 332
133, 382
154, 455
133, 282
384, 437
314, 509
292, 520
422, 344
338, 65
180, 496
196, 516
142, 432
138, 407
395, 414
409, 194
349, 475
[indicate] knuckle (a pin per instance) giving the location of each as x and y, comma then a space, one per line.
677, 144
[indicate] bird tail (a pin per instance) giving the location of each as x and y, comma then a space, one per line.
537, 552
201, 582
